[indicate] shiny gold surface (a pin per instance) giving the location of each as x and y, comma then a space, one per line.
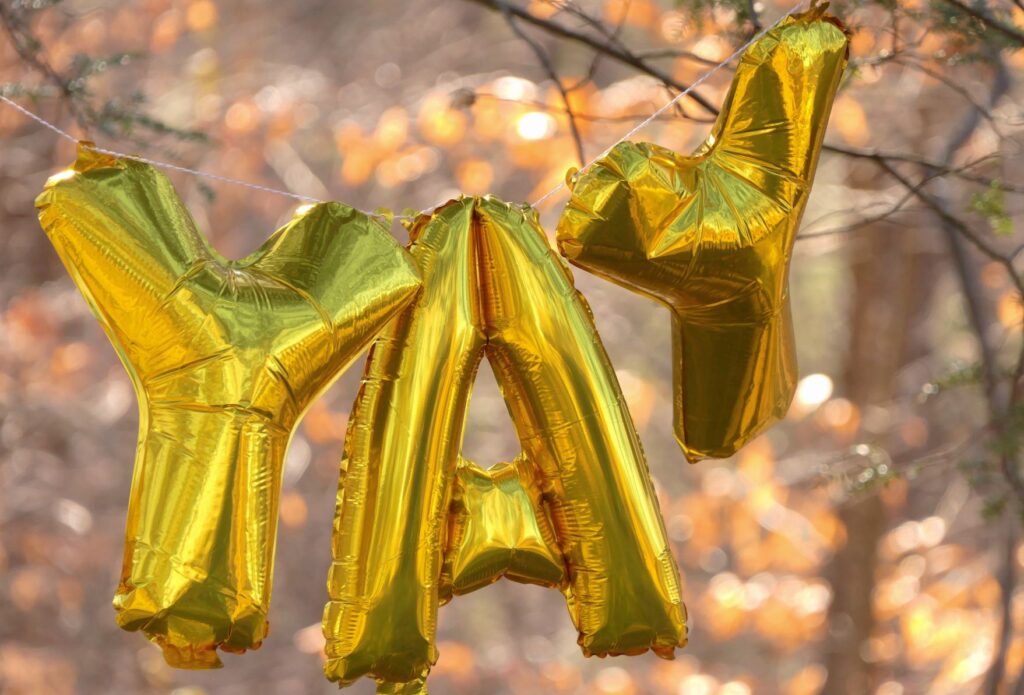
499, 527
711, 235
225, 357
492, 287
413, 687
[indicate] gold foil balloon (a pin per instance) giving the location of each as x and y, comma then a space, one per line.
225, 357
492, 287
710, 235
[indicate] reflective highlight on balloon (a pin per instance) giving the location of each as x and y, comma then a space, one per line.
225, 357
499, 527
711, 235
493, 288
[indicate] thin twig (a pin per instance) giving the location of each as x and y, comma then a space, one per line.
895, 208
549, 68
656, 53
589, 117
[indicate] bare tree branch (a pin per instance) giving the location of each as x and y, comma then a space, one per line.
590, 117
960, 172
655, 53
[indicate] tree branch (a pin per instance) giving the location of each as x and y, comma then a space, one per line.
944, 169
616, 52
978, 241
655, 53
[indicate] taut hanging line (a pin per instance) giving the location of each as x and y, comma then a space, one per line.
307, 199
154, 162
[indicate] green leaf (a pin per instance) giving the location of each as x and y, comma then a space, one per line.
991, 204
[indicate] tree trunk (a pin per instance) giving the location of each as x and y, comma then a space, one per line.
891, 289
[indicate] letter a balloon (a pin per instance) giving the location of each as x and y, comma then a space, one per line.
580, 496
225, 357
710, 235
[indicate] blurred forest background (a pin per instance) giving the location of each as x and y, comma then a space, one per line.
871, 543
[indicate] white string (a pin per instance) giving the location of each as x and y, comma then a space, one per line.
307, 199
39, 120
154, 162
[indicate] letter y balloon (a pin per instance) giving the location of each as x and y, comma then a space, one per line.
711, 235
225, 357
